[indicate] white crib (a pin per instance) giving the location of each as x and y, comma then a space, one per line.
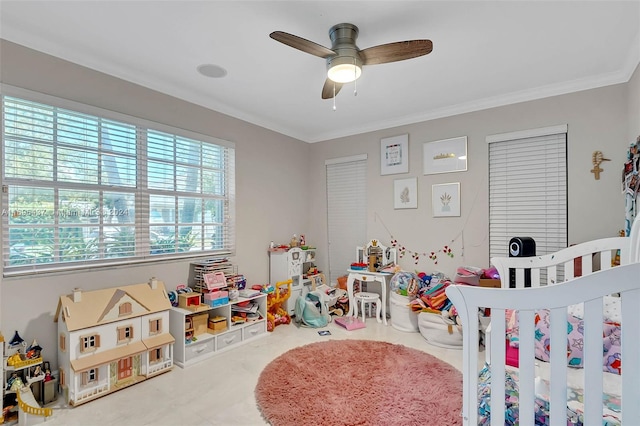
553, 287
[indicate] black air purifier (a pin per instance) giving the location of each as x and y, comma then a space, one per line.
521, 247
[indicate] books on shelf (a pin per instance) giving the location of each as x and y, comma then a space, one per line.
249, 308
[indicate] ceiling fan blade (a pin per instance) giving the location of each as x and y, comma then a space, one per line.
398, 51
302, 44
327, 90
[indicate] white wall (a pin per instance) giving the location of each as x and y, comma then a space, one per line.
634, 105
597, 120
271, 187
281, 181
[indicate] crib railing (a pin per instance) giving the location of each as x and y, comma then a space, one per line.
559, 267
590, 290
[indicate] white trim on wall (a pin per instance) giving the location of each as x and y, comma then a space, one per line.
530, 133
350, 159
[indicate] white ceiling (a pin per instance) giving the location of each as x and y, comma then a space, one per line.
485, 54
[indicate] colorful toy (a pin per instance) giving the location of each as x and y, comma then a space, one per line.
276, 296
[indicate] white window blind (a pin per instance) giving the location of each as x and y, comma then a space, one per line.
84, 187
346, 211
528, 189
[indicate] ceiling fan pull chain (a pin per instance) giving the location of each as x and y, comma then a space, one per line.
355, 78
334, 96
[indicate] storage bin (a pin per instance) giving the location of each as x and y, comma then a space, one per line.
216, 298
402, 317
440, 331
200, 323
218, 324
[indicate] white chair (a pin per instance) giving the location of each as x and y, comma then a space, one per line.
365, 298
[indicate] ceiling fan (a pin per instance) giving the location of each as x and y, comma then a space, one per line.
345, 59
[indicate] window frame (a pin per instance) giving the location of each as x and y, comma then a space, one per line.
90, 376
548, 226
155, 326
124, 333
224, 220
125, 309
346, 210
89, 342
156, 355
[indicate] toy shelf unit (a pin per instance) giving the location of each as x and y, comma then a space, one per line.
295, 264
202, 334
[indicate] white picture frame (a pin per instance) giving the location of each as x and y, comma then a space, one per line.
445, 199
405, 193
394, 155
445, 156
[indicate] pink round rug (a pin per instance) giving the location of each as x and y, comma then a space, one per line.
359, 382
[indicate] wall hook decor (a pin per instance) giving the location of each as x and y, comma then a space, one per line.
598, 158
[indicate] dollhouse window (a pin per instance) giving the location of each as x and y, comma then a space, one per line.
90, 376
125, 333
155, 355
124, 309
62, 341
155, 326
89, 343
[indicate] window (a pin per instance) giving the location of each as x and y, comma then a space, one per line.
155, 326
62, 341
528, 189
155, 355
84, 187
124, 309
346, 211
90, 376
125, 334
89, 343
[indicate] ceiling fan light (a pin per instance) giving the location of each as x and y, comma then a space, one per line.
344, 73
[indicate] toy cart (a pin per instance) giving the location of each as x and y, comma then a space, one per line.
276, 314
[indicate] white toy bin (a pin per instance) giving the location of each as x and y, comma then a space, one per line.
402, 317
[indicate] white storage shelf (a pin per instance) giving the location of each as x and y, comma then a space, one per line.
211, 343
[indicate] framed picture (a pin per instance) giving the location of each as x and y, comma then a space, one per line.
394, 155
448, 155
405, 193
445, 199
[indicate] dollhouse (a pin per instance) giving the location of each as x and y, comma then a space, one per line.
112, 338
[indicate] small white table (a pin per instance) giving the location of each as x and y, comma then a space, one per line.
368, 276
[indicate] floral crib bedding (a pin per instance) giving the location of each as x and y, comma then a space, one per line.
575, 406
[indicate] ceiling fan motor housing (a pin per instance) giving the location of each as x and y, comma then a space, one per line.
343, 42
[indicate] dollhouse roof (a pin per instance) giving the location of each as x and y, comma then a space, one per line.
99, 307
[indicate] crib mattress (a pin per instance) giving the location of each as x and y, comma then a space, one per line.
575, 408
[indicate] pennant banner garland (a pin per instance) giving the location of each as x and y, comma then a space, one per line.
402, 252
